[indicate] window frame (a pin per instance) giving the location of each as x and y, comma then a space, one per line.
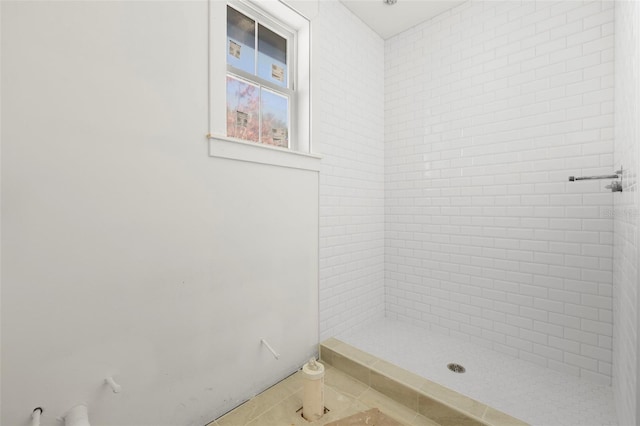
280, 18
260, 18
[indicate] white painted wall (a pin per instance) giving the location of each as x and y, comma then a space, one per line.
489, 108
626, 262
126, 249
348, 110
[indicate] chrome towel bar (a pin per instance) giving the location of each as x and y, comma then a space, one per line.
573, 178
616, 186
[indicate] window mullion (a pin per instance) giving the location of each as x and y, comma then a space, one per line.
258, 80
255, 52
260, 114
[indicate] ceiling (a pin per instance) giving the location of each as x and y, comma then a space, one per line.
388, 20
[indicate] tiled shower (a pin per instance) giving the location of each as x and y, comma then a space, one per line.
488, 109
486, 238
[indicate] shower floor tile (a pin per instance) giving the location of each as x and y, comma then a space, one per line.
536, 395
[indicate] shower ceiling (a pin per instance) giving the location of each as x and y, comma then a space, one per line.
389, 20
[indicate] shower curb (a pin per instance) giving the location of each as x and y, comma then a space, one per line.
436, 402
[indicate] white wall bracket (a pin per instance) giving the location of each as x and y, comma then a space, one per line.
116, 388
275, 354
35, 416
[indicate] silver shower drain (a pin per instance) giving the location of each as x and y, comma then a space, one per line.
456, 368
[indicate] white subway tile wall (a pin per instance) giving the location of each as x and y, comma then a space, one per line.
489, 108
349, 132
626, 212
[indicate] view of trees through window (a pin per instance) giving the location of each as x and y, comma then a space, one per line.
256, 111
256, 114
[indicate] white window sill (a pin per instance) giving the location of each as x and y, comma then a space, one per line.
222, 147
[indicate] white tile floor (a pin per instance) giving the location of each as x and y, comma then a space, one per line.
524, 390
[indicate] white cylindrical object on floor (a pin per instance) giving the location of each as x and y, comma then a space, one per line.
313, 390
35, 416
77, 416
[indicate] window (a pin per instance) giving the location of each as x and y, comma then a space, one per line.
259, 88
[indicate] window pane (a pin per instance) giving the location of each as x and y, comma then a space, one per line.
241, 41
275, 119
243, 109
272, 56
